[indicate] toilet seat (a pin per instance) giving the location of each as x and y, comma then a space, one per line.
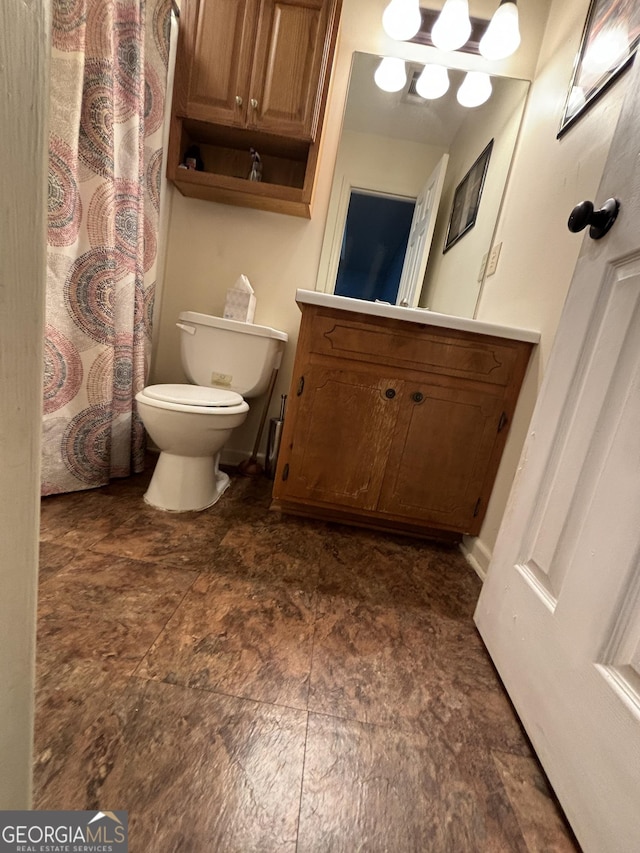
193, 395
193, 398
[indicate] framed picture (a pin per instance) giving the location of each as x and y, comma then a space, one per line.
609, 44
466, 200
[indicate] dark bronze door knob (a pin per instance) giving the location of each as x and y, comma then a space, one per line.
584, 214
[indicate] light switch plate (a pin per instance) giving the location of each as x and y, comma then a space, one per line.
483, 266
492, 263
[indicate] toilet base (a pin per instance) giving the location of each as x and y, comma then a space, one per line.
186, 483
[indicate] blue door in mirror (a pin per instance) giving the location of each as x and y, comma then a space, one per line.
374, 244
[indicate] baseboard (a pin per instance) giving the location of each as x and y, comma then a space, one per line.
232, 458
476, 554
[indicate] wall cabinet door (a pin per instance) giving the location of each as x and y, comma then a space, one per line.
221, 47
344, 425
257, 63
442, 449
288, 66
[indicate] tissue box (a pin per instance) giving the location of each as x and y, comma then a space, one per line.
240, 305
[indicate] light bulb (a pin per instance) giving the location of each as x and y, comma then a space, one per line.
390, 75
453, 27
401, 20
502, 36
476, 88
433, 82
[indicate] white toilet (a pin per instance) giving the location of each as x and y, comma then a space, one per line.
225, 360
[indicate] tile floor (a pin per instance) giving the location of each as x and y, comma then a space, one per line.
241, 681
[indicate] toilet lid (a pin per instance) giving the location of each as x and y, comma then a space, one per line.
193, 395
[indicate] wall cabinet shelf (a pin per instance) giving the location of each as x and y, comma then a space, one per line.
396, 425
252, 74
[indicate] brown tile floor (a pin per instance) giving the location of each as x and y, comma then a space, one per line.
240, 681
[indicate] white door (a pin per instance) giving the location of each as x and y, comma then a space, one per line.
560, 609
420, 236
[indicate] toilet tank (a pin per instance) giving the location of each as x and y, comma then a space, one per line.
229, 354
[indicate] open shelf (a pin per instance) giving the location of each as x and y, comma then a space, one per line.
288, 167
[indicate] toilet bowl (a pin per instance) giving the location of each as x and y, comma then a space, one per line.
190, 428
190, 424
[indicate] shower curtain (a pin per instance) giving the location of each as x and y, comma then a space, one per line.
108, 86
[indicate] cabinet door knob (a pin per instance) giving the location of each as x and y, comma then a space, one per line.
417, 396
238, 100
254, 103
390, 393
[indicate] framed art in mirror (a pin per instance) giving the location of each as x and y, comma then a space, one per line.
609, 44
466, 199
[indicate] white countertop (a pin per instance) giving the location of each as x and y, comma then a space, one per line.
415, 315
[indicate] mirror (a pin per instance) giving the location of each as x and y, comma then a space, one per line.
391, 144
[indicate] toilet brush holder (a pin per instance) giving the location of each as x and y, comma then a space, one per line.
251, 467
273, 447
273, 441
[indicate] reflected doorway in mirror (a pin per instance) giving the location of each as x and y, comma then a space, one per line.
373, 246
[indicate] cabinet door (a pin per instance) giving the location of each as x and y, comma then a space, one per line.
441, 454
221, 52
344, 423
289, 65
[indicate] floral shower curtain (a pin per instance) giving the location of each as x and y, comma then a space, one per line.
108, 85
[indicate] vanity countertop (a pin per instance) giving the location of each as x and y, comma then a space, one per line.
415, 315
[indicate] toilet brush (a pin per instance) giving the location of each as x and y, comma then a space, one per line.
251, 467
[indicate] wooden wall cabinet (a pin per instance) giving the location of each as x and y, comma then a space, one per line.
396, 425
252, 74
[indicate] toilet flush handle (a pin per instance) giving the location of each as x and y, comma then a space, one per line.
190, 329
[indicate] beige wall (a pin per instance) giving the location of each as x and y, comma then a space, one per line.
211, 244
23, 109
539, 253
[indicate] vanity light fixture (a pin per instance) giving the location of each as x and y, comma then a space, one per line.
433, 82
391, 74
401, 19
453, 27
476, 88
502, 37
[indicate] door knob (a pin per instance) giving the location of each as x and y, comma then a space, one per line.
238, 100
254, 103
584, 214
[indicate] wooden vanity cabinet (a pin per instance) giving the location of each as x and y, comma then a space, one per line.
396, 425
252, 74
